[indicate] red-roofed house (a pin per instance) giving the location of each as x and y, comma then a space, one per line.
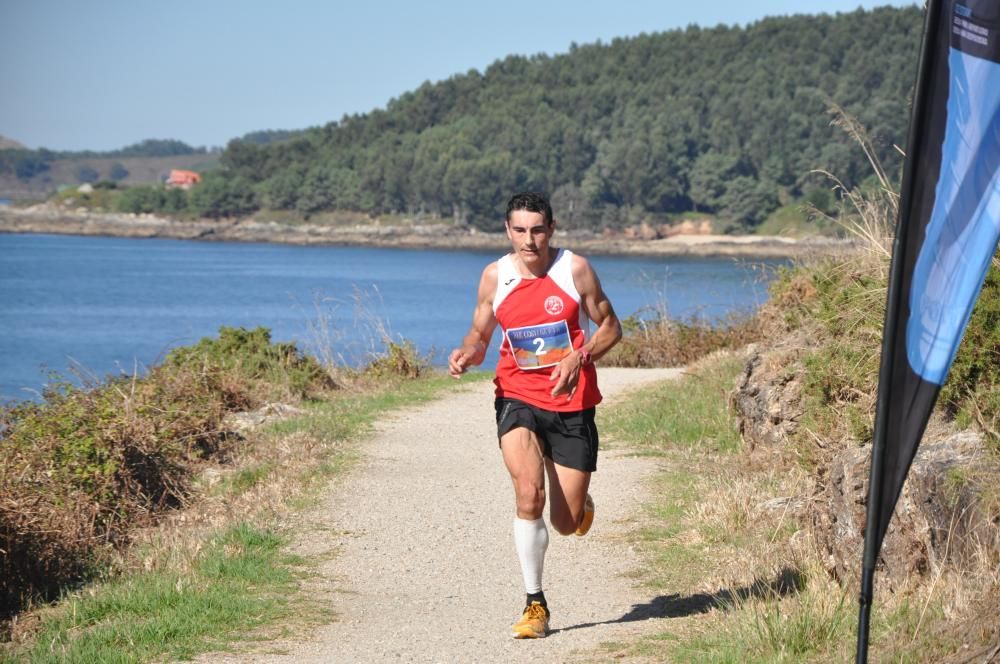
183, 179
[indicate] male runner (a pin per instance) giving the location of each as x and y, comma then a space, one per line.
546, 384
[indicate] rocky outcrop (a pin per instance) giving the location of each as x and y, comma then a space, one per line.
937, 518
767, 399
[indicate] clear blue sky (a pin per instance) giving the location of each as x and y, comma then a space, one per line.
101, 75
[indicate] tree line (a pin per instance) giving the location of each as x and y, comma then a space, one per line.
724, 120
26, 164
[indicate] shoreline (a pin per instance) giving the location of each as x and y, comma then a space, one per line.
50, 220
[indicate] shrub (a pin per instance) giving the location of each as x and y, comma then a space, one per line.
86, 466
400, 360
271, 370
661, 342
118, 171
218, 196
87, 173
844, 307
141, 199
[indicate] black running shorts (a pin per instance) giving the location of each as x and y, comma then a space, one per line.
569, 439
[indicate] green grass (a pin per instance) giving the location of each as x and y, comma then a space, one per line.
354, 413
702, 535
796, 220
244, 479
240, 581
691, 413
682, 421
772, 629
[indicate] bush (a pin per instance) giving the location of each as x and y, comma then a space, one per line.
271, 370
85, 467
661, 342
844, 307
218, 196
118, 171
152, 198
400, 360
87, 173
141, 199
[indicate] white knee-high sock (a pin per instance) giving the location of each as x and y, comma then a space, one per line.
531, 539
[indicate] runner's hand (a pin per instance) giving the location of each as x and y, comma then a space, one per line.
460, 359
567, 375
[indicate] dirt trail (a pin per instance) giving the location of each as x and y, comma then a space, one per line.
425, 568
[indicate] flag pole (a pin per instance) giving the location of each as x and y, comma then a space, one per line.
874, 529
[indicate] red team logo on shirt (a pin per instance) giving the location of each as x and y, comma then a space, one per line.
554, 305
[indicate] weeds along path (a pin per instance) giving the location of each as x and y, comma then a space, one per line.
423, 566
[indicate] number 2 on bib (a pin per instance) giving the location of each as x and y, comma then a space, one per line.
539, 346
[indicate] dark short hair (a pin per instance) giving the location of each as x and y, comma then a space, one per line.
532, 201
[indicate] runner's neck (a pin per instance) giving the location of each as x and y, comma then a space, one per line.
525, 273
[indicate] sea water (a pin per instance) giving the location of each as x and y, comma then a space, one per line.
94, 306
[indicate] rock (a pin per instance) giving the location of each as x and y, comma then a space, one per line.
242, 422
937, 517
647, 232
767, 399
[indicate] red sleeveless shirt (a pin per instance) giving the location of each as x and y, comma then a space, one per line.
541, 321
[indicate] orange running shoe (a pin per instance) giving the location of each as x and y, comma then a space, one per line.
588, 517
534, 622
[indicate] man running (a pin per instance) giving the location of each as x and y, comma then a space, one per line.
543, 298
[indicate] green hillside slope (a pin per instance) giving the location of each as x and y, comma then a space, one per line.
724, 120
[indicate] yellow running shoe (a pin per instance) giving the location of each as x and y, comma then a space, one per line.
534, 622
588, 517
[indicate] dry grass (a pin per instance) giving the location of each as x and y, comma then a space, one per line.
728, 542
662, 342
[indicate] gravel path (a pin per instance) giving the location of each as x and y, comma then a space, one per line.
425, 568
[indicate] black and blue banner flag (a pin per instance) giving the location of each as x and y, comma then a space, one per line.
946, 236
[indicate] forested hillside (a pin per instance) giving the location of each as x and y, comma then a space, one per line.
725, 120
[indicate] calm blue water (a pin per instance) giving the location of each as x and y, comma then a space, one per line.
107, 305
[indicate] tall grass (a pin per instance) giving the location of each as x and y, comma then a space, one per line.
659, 341
368, 344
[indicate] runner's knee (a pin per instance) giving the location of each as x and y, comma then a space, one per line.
530, 500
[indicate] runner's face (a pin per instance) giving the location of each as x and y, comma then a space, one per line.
529, 236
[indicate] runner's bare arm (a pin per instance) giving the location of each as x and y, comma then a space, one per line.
609, 330
472, 352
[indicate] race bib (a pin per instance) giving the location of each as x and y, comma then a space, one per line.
539, 346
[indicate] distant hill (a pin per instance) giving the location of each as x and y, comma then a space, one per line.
725, 120
74, 171
34, 174
10, 144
